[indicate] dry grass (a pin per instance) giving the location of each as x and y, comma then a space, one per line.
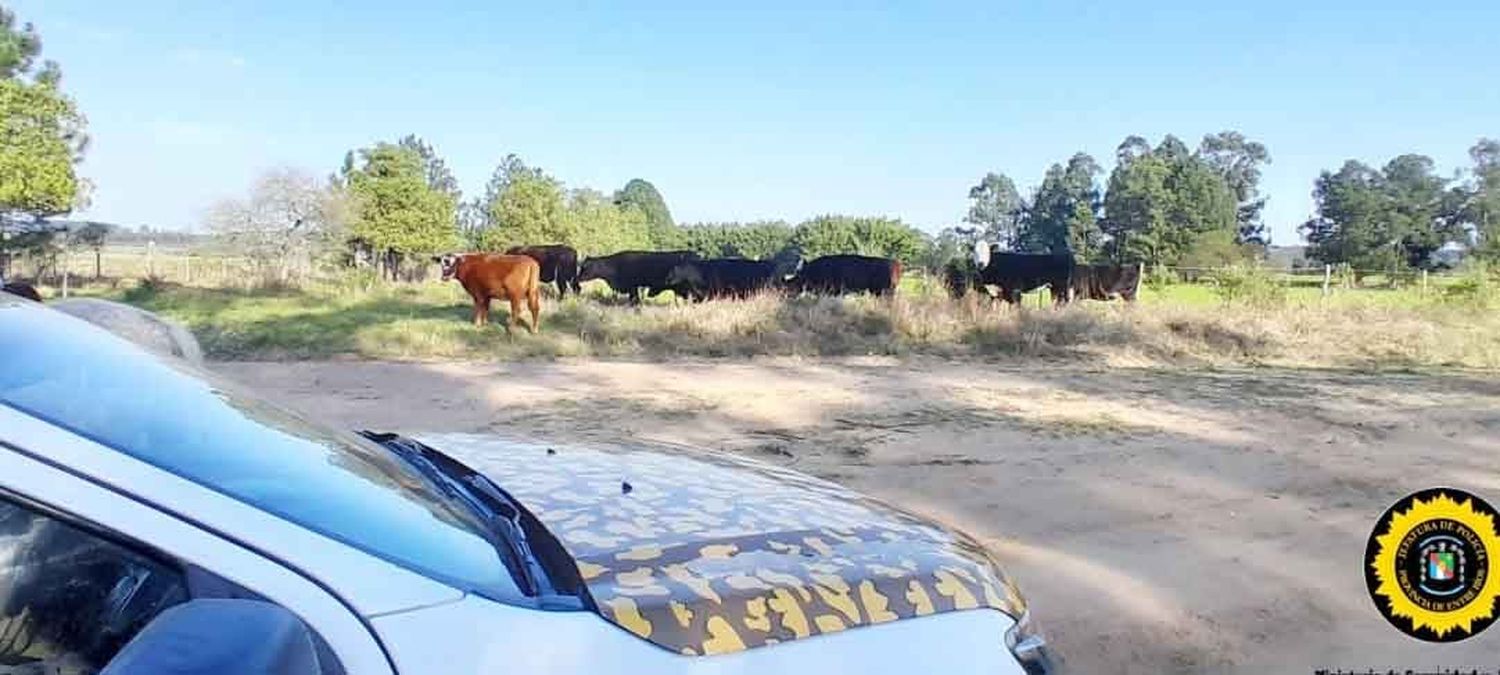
430, 321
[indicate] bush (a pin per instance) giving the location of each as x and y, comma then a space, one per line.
145, 291
1158, 278
1344, 276
1477, 287
959, 275
359, 280
1248, 285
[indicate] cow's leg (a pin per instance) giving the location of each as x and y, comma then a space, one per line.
635, 295
481, 311
562, 288
515, 312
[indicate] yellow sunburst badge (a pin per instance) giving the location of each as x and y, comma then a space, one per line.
1429, 565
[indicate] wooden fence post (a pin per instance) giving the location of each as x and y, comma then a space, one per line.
151, 259
1327, 277
65, 281
187, 273
1424, 282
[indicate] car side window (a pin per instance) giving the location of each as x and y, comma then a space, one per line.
71, 598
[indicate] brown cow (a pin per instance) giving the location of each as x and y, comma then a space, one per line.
1106, 282
488, 276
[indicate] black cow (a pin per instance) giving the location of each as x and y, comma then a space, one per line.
559, 263
722, 278
1017, 273
838, 274
1106, 282
787, 263
630, 271
958, 277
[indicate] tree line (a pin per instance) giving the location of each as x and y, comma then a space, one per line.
1162, 205
1166, 204
1396, 217
1169, 205
394, 204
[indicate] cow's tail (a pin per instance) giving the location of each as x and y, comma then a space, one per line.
895, 276
534, 281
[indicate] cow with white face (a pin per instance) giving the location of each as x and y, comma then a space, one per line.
981, 254
449, 264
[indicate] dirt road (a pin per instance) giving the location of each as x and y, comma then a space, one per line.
1159, 521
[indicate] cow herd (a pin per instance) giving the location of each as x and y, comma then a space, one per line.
516, 276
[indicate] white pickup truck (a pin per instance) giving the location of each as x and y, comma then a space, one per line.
156, 519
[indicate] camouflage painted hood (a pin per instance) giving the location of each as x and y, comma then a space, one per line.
702, 553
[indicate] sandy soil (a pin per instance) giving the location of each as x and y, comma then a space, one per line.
1159, 521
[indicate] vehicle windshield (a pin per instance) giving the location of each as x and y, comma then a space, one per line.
193, 425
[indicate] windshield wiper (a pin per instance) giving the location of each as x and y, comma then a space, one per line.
542, 568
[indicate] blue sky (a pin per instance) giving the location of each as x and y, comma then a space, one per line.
775, 110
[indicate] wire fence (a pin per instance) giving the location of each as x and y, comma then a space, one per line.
1329, 278
125, 265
